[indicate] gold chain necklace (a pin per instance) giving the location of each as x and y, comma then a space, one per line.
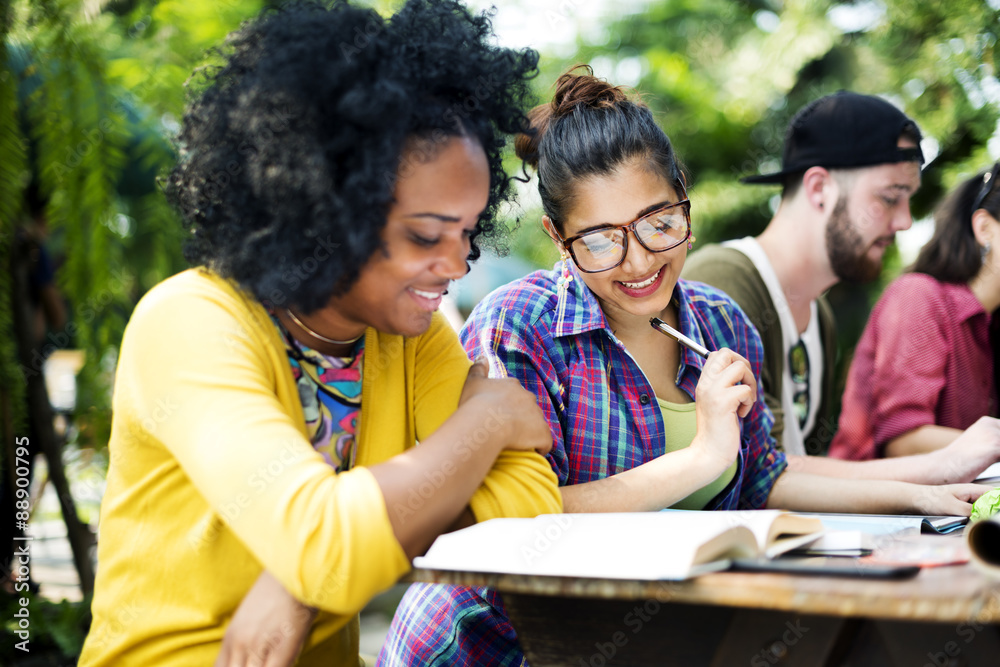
318, 336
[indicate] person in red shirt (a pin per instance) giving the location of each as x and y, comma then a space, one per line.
925, 367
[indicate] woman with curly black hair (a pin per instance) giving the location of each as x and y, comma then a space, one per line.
335, 173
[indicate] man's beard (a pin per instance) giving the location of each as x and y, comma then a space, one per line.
846, 249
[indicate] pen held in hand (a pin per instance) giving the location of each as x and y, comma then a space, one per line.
668, 330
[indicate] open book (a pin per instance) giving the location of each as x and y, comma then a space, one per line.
673, 544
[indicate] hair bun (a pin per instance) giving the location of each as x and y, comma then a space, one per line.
572, 90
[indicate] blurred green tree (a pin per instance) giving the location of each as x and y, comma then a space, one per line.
89, 92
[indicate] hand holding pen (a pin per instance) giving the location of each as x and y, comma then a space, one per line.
726, 391
733, 371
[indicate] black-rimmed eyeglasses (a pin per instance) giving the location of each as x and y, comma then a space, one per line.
604, 248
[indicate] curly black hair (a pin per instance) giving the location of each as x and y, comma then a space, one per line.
295, 143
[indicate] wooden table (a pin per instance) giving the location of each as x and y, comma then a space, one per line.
946, 616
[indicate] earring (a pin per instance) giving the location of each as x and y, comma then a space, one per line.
566, 278
562, 285
985, 250
691, 241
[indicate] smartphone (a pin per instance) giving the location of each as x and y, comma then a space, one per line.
829, 566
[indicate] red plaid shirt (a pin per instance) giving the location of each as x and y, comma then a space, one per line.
924, 358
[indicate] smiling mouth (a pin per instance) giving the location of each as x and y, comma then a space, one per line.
645, 283
428, 295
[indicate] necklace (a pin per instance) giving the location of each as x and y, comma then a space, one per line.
318, 336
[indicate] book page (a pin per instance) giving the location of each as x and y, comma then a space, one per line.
639, 545
776, 531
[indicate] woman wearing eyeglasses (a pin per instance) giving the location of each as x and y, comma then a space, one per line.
639, 423
925, 368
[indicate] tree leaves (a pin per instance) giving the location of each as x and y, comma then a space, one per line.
101, 86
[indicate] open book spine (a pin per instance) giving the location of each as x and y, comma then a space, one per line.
983, 540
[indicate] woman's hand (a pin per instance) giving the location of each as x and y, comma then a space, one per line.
726, 392
268, 629
950, 499
507, 408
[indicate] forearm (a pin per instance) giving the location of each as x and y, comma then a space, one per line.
921, 440
807, 492
427, 488
652, 486
919, 469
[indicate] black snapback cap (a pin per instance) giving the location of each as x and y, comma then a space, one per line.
844, 130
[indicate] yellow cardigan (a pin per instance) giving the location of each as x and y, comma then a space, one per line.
213, 479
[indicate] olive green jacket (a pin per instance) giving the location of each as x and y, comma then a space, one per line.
735, 274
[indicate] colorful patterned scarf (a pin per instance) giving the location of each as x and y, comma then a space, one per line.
330, 391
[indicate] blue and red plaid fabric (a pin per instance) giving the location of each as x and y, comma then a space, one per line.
604, 419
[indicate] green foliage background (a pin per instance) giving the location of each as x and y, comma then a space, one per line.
724, 87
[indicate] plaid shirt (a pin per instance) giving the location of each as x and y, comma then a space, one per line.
604, 419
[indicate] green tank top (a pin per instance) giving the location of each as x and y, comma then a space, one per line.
679, 424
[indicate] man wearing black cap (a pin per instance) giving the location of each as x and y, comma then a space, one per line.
851, 164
